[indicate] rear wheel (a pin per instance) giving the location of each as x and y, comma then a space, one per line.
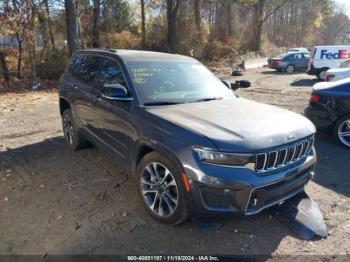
290, 68
71, 136
161, 189
321, 74
342, 131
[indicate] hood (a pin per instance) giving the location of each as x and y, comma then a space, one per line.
238, 124
338, 70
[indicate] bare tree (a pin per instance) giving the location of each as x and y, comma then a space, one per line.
143, 24
260, 17
197, 14
172, 10
49, 23
72, 26
96, 24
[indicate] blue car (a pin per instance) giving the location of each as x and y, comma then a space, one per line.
194, 148
290, 62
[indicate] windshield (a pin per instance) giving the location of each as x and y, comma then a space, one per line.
345, 64
171, 82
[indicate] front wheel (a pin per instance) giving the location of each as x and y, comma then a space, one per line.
342, 131
161, 189
321, 74
290, 68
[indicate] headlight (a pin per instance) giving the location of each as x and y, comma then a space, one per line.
223, 158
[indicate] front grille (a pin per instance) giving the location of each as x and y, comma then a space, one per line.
283, 156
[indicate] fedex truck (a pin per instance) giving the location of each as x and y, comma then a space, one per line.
326, 57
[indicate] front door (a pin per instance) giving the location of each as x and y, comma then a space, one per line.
114, 122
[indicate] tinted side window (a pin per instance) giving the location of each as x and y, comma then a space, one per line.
85, 68
89, 69
289, 57
110, 73
76, 65
298, 56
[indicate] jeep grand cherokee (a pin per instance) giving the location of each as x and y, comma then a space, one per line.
195, 148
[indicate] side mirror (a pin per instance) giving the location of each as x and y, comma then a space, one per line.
115, 92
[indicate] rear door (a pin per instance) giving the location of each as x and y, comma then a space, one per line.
84, 72
305, 61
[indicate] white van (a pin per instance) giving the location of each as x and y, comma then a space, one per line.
326, 57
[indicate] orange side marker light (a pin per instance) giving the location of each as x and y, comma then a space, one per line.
187, 184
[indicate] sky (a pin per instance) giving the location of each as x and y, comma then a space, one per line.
344, 4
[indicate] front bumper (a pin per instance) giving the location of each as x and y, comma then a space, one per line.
246, 193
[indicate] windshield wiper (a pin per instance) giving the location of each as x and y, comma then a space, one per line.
207, 99
161, 103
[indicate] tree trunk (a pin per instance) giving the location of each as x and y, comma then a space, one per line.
31, 44
258, 33
44, 32
72, 27
20, 54
32, 63
49, 24
197, 14
143, 25
172, 10
258, 23
96, 24
4, 68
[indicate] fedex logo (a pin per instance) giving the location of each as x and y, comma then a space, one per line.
341, 54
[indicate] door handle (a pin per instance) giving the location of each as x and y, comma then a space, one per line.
75, 86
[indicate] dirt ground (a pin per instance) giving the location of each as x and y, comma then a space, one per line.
53, 201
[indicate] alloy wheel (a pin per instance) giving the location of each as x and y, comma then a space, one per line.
159, 189
290, 69
344, 132
323, 75
68, 129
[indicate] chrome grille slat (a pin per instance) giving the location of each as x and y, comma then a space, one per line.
272, 160
285, 157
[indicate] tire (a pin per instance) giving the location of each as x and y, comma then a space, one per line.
162, 195
70, 132
321, 74
290, 69
342, 126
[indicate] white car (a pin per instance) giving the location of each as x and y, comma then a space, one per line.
298, 50
342, 72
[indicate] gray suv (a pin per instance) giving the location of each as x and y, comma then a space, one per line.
195, 148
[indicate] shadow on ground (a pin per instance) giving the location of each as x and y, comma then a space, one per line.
333, 164
59, 202
304, 82
275, 72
